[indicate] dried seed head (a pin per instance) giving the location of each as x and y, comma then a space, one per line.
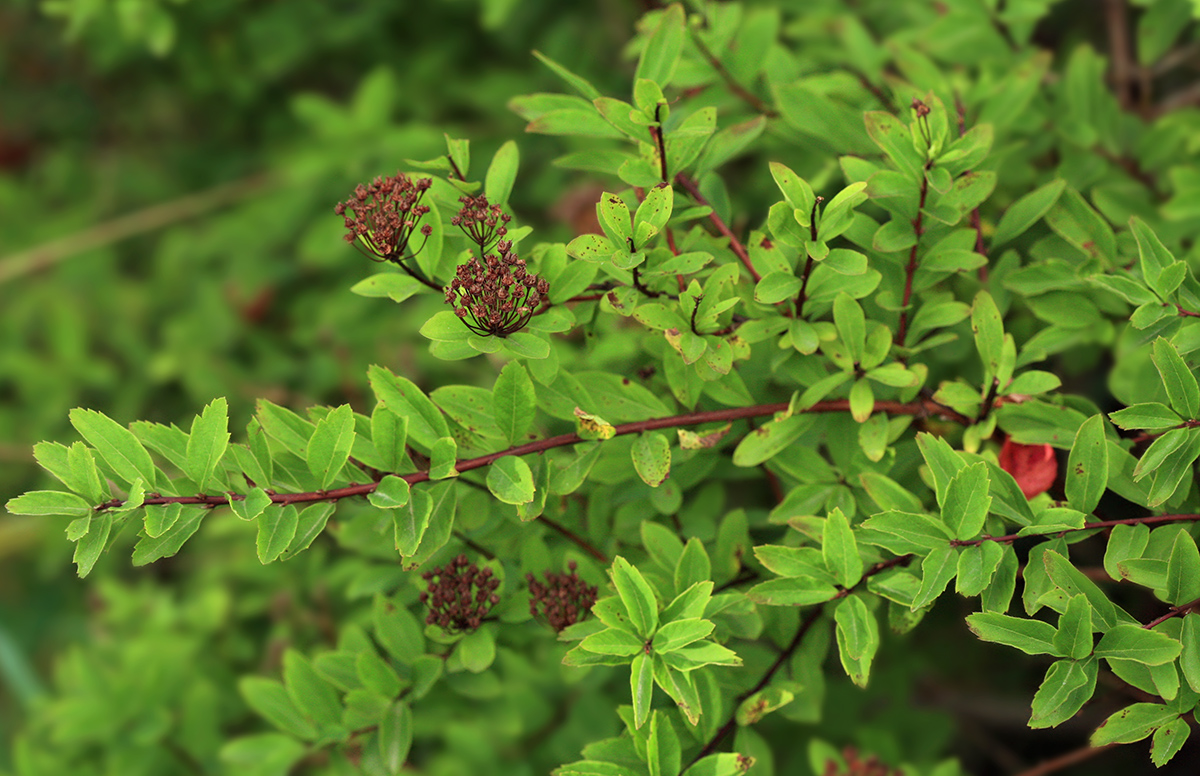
483, 223
497, 296
460, 595
381, 218
564, 598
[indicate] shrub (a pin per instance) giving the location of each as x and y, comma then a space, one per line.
782, 395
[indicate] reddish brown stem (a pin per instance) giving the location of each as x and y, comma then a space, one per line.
919, 408
1065, 760
911, 269
735, 245
748, 97
1149, 520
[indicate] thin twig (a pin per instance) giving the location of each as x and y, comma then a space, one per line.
750, 98
911, 269
920, 408
1065, 760
735, 245
576, 538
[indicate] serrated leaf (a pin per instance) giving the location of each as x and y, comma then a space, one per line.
840, 550
426, 424
1182, 389
330, 445
276, 529
967, 501
637, 596
207, 442
116, 444
1067, 686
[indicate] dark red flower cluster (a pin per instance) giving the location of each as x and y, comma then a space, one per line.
482, 222
382, 218
497, 296
564, 599
871, 766
459, 596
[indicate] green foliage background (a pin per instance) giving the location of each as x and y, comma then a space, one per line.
166, 209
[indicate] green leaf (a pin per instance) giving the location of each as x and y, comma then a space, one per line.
906, 532
390, 493
410, 522
309, 526
762, 703
271, 700
1151, 416
48, 502
443, 456
510, 480
679, 633
1168, 740
977, 565
662, 543
395, 736
329, 448
1132, 723
693, 567
857, 638
652, 458
1182, 390
426, 424
575, 82
641, 684
652, 215
1087, 466
207, 442
840, 551
514, 402
1153, 256
116, 444
477, 650
967, 501
501, 174
796, 591
770, 438
312, 694
613, 641
723, 764
1071, 580
150, 549
276, 529
937, 569
895, 140
795, 190
1183, 570
264, 753
851, 325
1189, 658
91, 544
1067, 686
661, 54
635, 592
398, 631
1074, 636
159, 518
1133, 642
663, 755
988, 327
1033, 637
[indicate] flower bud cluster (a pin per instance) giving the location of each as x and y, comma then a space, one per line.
482, 222
381, 218
460, 595
498, 295
564, 599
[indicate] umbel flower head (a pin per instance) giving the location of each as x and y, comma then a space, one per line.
483, 223
564, 599
382, 218
498, 295
460, 595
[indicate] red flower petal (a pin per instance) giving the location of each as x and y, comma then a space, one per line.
1034, 467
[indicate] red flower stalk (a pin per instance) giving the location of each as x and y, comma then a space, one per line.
382, 218
483, 223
